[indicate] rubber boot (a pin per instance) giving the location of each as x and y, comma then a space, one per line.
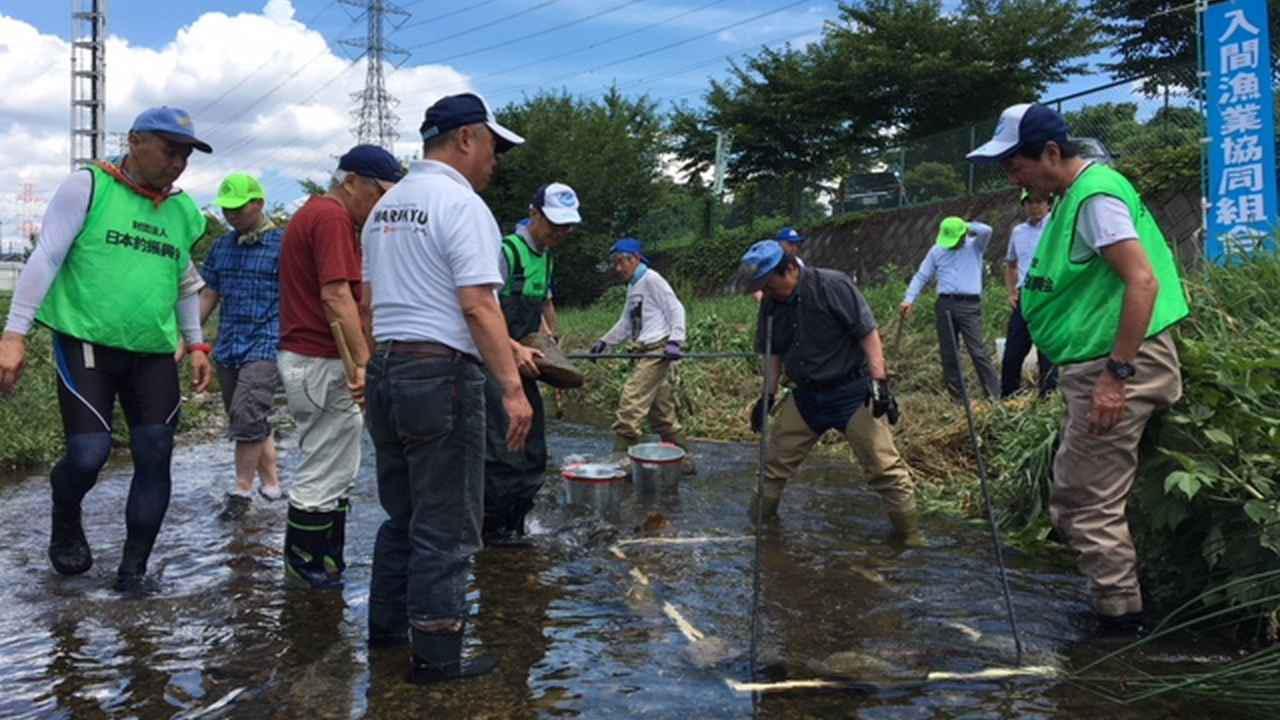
687, 466
619, 455
309, 556
340, 533
132, 574
765, 508
906, 528
69, 551
437, 657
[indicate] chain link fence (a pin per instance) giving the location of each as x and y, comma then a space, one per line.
1128, 123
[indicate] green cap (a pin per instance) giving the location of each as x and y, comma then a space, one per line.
952, 231
237, 190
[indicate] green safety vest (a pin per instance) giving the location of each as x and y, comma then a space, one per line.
119, 282
528, 286
1072, 308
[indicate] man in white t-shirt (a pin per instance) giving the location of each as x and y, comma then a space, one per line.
431, 249
1023, 241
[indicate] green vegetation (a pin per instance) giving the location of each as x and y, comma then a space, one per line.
31, 427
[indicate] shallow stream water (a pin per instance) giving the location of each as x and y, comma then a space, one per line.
576, 633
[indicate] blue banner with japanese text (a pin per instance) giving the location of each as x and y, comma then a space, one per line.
1240, 108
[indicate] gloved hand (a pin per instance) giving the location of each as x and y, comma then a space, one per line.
673, 350
882, 402
762, 407
598, 348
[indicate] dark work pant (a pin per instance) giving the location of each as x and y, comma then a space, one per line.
1016, 346
512, 479
426, 418
966, 316
90, 378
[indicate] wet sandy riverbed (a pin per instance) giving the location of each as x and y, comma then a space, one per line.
576, 633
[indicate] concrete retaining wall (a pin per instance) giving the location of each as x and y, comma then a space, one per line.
902, 237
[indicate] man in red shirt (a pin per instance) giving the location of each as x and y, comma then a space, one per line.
320, 284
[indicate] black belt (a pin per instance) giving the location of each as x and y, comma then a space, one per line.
958, 296
424, 349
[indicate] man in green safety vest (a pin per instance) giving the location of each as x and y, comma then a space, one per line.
112, 279
512, 478
1099, 299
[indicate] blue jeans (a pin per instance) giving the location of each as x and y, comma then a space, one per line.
426, 418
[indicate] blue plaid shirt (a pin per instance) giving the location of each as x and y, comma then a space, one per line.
247, 277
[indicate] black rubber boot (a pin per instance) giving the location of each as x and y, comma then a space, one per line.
132, 575
69, 551
236, 507
309, 556
340, 533
437, 657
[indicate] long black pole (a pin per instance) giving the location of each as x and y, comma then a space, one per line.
660, 356
986, 493
765, 386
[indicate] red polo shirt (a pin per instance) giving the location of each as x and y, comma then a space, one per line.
320, 246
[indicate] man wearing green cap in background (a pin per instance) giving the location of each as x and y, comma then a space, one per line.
242, 276
1100, 298
956, 261
825, 335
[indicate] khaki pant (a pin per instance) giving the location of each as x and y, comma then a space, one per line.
329, 428
1093, 474
791, 439
648, 393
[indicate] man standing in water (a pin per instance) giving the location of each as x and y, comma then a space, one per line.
512, 479
243, 268
825, 336
320, 285
105, 278
431, 254
1100, 298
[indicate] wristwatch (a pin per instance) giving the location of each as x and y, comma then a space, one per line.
1121, 370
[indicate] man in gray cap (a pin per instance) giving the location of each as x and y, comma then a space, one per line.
431, 268
115, 306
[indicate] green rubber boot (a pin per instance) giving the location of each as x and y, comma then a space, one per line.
687, 466
906, 529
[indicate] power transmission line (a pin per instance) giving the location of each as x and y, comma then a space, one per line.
540, 33
606, 41
265, 63
482, 26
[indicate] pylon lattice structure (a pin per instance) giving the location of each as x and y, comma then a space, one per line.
88, 81
375, 117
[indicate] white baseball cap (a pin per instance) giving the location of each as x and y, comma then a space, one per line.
558, 202
1022, 124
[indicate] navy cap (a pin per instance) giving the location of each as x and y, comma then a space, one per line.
174, 124
454, 111
759, 260
629, 246
790, 235
1019, 125
372, 162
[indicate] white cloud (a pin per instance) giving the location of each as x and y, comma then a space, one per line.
290, 131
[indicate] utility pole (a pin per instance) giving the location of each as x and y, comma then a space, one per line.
375, 118
88, 81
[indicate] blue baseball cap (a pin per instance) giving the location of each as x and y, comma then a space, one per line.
790, 235
629, 246
1019, 125
372, 162
172, 123
454, 111
759, 260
